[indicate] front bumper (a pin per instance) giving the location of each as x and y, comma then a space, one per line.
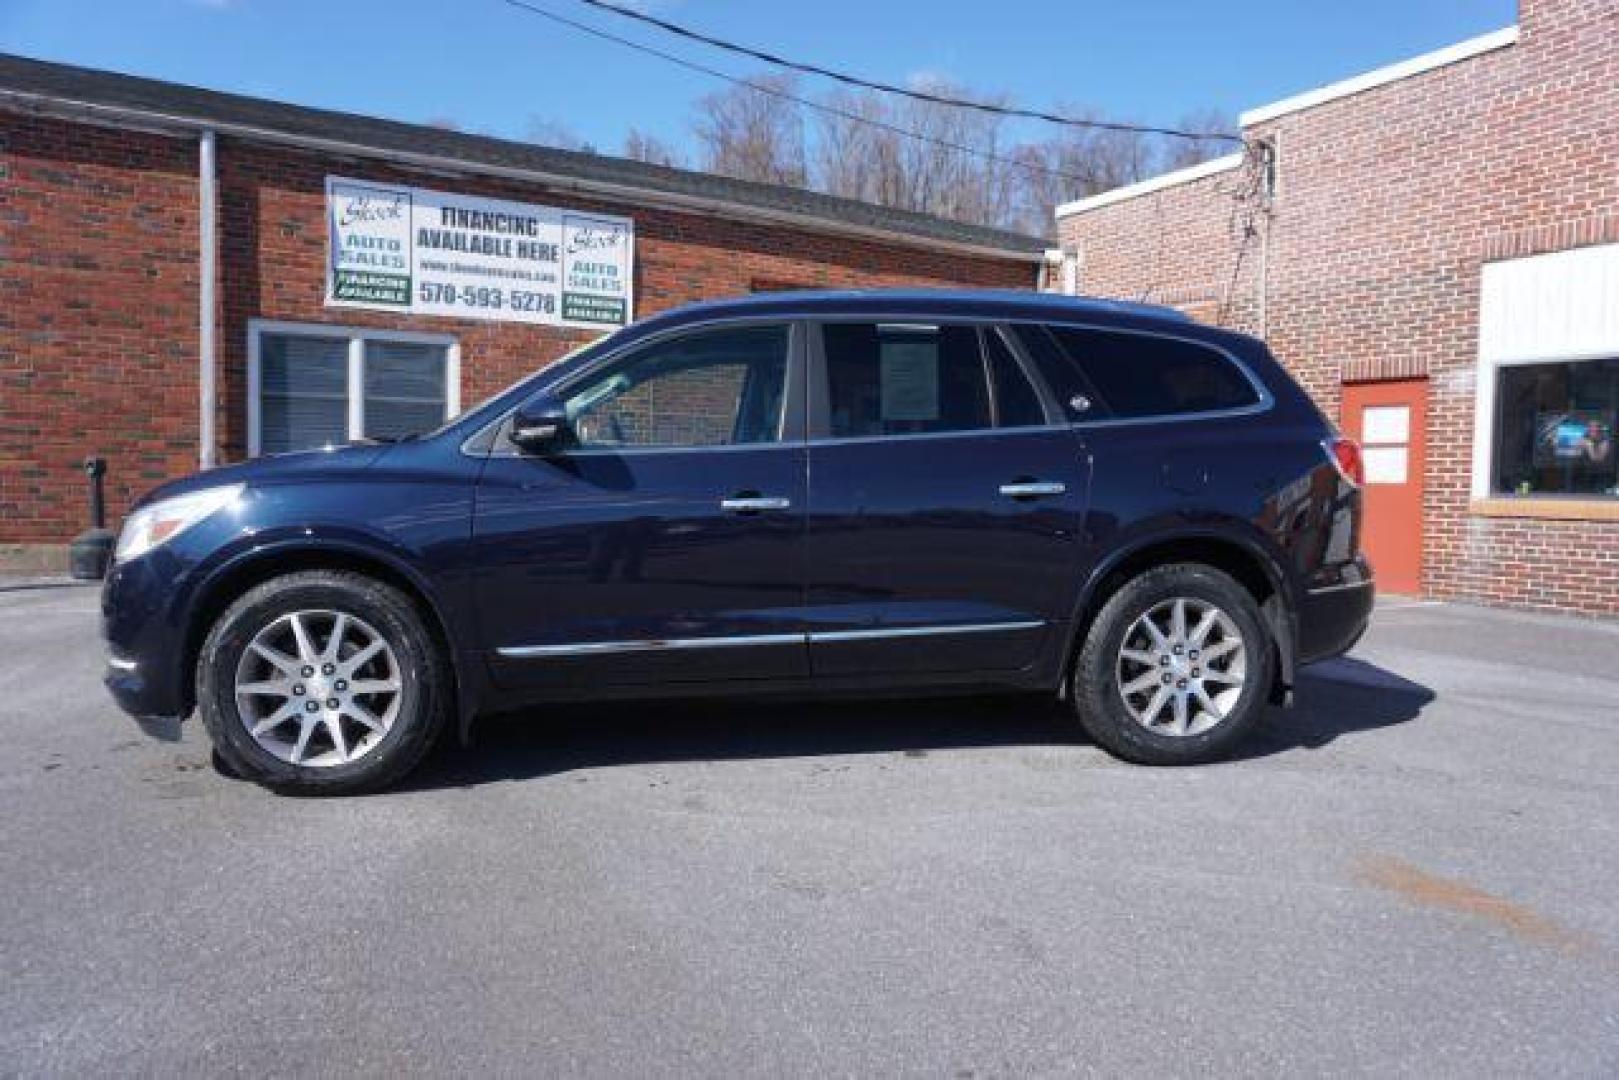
1332, 618
145, 641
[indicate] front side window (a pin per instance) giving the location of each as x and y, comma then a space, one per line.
1145, 375
1555, 425
323, 387
716, 388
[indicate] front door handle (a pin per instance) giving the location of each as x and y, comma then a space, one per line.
752, 504
1033, 489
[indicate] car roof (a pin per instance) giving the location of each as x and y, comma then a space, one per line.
974, 303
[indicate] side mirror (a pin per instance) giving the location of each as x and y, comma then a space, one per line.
540, 425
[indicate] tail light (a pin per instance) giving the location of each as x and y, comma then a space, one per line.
1345, 456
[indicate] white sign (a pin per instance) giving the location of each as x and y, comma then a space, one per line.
420, 252
1385, 424
1385, 464
909, 383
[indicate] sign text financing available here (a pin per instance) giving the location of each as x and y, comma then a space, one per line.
394, 248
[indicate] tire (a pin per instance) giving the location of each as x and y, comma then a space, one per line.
384, 721
1110, 716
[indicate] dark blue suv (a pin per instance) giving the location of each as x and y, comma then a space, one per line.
785, 494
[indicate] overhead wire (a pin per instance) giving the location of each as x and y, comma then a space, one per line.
914, 93
809, 103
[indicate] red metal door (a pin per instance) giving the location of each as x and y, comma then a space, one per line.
1389, 420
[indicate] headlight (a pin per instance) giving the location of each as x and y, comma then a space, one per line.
151, 526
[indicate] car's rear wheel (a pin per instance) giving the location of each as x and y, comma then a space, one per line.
322, 682
1176, 667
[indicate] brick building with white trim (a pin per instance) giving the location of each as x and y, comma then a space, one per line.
1433, 249
165, 262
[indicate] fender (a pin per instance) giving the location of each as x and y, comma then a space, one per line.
1282, 617
325, 544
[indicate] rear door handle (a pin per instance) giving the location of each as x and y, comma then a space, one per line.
752, 504
1033, 489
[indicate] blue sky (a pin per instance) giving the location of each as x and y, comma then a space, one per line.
491, 68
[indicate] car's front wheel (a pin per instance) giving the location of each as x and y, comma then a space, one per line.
1176, 667
322, 682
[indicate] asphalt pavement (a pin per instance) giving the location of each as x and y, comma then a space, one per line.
1416, 871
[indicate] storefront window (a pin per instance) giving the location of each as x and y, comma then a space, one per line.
322, 386
1555, 426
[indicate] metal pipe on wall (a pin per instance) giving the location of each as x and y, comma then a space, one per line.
207, 274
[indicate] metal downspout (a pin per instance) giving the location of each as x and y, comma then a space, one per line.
207, 277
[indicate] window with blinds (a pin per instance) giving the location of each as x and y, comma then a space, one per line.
404, 388
303, 392
319, 389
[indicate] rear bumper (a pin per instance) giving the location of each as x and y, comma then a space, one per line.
1332, 618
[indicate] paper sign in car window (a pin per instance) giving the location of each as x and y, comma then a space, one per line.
910, 379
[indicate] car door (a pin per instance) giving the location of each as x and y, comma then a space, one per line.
665, 541
945, 501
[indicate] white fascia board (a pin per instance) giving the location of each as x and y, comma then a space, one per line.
1450, 54
1156, 183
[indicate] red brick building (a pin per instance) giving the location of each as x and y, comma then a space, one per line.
166, 271
1433, 249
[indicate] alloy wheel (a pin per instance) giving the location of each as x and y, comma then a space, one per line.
318, 688
1182, 667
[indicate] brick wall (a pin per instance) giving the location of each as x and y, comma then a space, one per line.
1388, 203
98, 318
98, 296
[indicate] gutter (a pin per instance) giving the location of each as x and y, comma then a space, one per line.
163, 123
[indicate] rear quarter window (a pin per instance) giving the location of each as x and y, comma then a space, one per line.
1143, 375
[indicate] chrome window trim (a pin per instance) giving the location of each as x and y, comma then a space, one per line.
597, 648
964, 433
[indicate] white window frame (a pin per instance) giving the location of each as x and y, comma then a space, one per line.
356, 337
1526, 311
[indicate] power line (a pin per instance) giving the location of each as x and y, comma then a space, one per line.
890, 88
833, 110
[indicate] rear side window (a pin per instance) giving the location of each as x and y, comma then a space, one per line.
903, 379
1016, 402
1142, 375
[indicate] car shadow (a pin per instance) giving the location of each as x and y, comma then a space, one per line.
1337, 698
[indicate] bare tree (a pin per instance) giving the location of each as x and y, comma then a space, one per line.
1073, 164
639, 146
1212, 124
947, 160
915, 155
858, 155
754, 134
